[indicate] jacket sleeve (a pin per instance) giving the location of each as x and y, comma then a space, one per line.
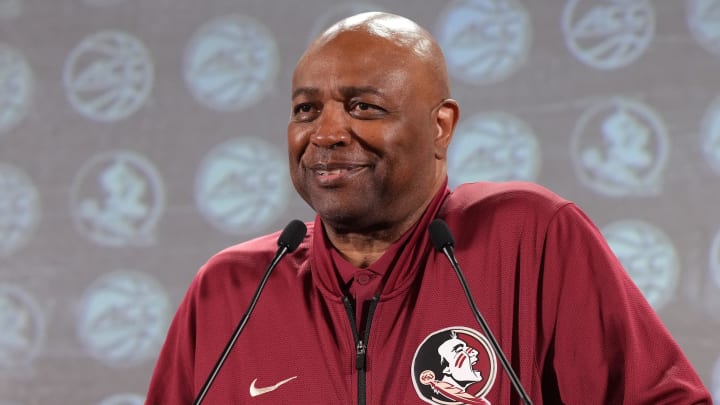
608, 345
173, 378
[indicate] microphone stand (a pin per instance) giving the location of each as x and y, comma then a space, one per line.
290, 238
448, 251
442, 240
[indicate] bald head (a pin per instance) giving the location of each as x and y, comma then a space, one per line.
408, 41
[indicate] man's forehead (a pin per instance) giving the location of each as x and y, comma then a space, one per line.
381, 29
377, 24
374, 49
354, 44
340, 66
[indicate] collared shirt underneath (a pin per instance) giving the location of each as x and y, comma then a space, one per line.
363, 283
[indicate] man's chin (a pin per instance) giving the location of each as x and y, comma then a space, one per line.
343, 220
350, 221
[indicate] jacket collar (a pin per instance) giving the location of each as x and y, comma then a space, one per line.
409, 257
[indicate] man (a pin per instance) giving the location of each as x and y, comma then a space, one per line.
343, 316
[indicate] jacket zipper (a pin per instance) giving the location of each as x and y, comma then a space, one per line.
360, 343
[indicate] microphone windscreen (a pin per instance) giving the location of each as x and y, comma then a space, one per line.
440, 235
292, 235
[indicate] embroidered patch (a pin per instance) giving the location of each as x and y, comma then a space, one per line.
454, 366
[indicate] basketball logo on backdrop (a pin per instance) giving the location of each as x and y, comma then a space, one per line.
117, 199
23, 328
454, 366
19, 209
620, 148
715, 382
493, 147
608, 34
10, 9
123, 399
122, 318
703, 17
16, 87
649, 257
241, 185
710, 142
231, 63
108, 76
715, 259
103, 3
484, 41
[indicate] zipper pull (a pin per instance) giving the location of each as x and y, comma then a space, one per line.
360, 355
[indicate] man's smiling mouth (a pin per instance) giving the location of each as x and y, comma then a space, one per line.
333, 173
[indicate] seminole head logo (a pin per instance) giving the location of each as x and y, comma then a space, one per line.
454, 366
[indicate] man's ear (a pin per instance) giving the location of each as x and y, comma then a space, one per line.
446, 118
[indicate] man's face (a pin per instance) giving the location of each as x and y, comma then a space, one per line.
361, 136
461, 359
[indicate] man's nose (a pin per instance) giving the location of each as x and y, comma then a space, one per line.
333, 127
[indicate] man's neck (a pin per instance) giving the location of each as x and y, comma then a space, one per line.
364, 247
361, 249
358, 249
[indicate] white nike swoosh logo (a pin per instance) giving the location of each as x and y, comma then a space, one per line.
255, 391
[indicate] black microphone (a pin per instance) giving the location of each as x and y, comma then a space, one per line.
443, 241
288, 241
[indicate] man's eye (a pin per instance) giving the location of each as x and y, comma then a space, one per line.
366, 106
366, 109
303, 108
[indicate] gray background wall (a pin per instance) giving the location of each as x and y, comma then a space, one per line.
137, 138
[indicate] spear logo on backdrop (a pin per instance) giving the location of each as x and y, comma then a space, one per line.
620, 148
118, 199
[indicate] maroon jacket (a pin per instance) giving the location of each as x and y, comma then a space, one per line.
573, 325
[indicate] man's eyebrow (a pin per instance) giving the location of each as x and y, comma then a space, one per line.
349, 91
346, 91
306, 91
